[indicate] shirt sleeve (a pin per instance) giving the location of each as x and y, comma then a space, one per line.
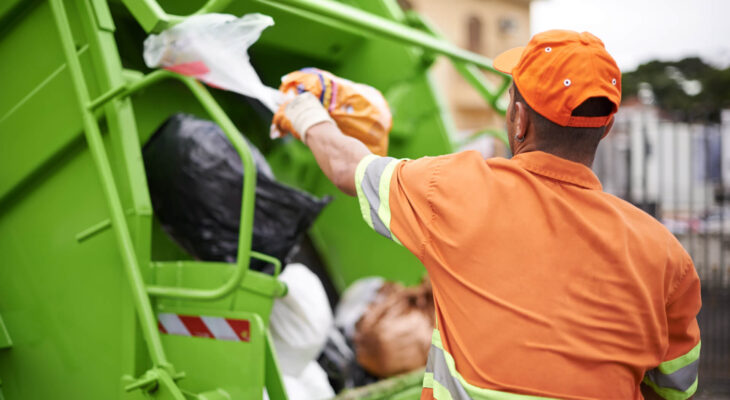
393, 197
676, 377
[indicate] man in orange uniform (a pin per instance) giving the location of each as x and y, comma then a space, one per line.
544, 285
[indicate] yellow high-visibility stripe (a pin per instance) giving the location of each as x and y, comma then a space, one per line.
671, 366
359, 175
474, 392
428, 380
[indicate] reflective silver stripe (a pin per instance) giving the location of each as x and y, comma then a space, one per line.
671, 366
437, 365
384, 189
681, 379
677, 378
370, 190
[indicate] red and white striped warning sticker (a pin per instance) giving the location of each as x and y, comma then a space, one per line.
237, 330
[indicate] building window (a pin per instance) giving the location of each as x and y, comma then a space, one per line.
507, 26
474, 34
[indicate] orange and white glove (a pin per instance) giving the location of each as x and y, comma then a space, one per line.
298, 115
360, 111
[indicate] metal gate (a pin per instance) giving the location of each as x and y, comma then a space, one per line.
679, 172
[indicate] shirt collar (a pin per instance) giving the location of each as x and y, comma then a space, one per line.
554, 167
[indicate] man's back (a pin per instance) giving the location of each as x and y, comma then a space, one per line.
544, 284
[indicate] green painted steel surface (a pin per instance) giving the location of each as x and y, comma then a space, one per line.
86, 267
400, 387
5, 341
219, 365
67, 305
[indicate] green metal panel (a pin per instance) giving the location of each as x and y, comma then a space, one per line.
5, 341
400, 387
236, 368
254, 294
65, 304
8, 7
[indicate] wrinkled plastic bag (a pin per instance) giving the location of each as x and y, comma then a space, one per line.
312, 384
354, 302
381, 329
339, 362
195, 178
300, 321
214, 49
394, 334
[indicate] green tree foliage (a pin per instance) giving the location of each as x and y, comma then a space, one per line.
688, 89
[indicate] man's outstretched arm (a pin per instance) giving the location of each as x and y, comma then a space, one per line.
392, 193
337, 155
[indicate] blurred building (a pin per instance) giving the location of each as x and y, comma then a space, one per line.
652, 160
487, 27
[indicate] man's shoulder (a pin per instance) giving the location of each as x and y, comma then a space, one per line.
645, 224
467, 156
457, 162
631, 210
464, 161
445, 167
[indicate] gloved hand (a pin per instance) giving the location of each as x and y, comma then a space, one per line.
358, 110
300, 114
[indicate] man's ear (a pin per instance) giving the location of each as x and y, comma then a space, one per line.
520, 120
608, 127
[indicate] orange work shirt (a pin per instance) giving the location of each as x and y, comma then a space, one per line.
544, 285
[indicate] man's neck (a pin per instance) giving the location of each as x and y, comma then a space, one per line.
585, 160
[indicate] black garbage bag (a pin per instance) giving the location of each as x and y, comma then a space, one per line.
338, 360
195, 179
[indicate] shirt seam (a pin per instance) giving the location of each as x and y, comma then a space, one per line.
429, 200
677, 283
558, 177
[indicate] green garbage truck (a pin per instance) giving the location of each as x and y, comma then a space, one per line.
86, 271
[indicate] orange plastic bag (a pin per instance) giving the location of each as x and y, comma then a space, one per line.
359, 110
394, 334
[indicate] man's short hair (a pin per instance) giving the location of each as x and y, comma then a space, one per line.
553, 138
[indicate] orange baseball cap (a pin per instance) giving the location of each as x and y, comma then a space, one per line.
558, 70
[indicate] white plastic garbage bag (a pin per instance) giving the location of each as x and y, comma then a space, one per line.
300, 321
214, 49
312, 384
